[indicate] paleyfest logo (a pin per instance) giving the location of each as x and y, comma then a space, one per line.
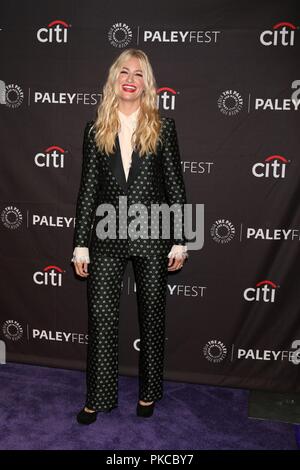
291, 355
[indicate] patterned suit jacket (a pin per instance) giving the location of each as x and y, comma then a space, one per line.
154, 178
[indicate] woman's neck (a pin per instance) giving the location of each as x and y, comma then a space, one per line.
128, 108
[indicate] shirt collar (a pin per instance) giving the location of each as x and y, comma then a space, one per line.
131, 119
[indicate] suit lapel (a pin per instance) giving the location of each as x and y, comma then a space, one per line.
117, 169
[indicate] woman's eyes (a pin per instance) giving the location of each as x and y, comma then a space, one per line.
138, 74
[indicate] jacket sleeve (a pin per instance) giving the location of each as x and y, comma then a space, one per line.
173, 179
88, 191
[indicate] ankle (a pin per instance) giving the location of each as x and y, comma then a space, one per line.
145, 403
88, 410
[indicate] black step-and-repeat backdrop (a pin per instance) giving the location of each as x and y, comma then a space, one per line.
228, 72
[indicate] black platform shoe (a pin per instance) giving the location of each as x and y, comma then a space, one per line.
145, 410
84, 417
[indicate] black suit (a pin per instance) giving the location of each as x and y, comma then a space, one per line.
154, 178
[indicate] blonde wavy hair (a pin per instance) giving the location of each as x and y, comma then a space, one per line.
107, 123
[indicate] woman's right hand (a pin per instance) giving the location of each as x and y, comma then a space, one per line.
81, 269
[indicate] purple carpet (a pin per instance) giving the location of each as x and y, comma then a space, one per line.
39, 405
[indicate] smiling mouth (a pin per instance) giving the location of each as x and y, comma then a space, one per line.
129, 88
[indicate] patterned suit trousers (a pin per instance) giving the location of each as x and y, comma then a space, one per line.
104, 287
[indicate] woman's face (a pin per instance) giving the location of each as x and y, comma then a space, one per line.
130, 82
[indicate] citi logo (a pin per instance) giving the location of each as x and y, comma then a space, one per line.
52, 157
166, 98
56, 31
264, 291
272, 167
282, 34
136, 344
50, 276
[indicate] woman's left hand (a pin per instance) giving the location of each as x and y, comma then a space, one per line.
176, 263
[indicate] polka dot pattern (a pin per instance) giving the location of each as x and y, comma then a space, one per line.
104, 286
159, 180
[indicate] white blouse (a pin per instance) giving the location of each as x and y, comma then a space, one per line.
128, 124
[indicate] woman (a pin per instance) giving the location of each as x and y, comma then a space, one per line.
130, 153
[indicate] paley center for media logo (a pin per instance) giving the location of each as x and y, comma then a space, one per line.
120, 35
231, 102
222, 231
12, 96
215, 351
11, 217
14, 331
